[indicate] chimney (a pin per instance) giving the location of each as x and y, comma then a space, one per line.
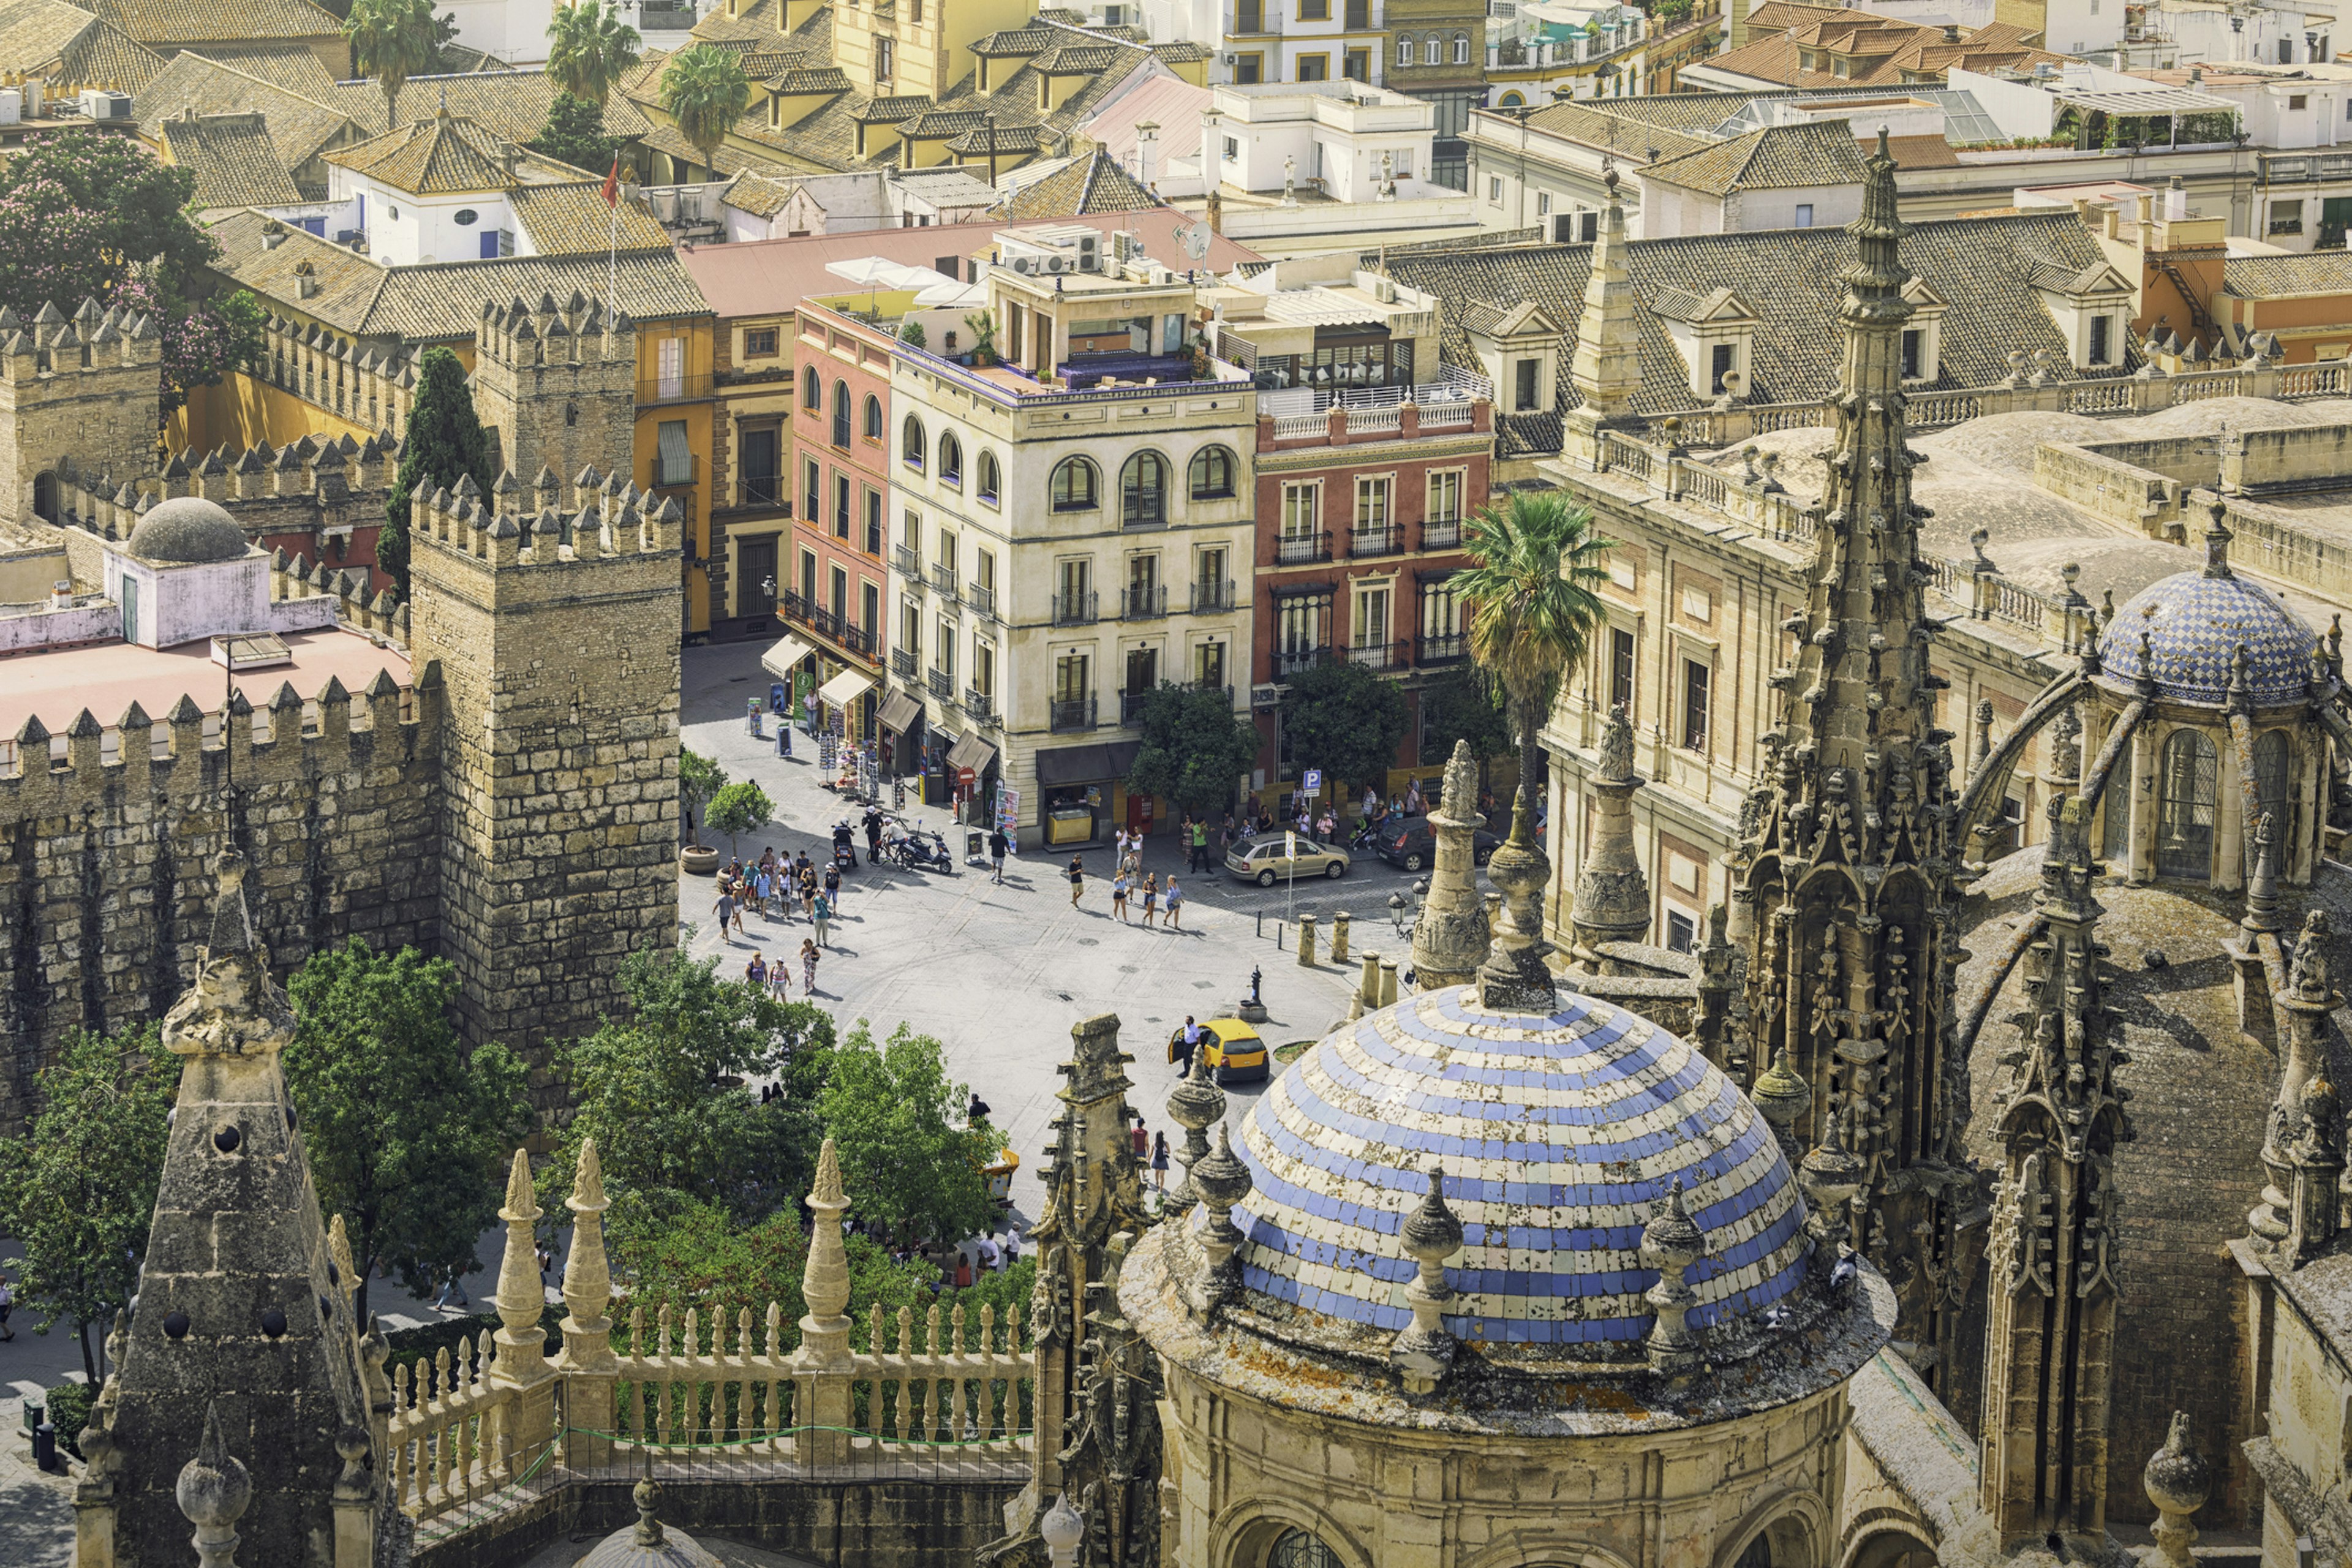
2176, 201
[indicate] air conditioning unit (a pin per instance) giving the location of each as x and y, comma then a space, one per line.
1025, 264
97, 103
1227, 59
1057, 264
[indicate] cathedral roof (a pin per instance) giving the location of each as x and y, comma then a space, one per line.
2195, 625
1557, 1136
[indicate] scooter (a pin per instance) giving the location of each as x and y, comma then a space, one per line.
845, 850
918, 850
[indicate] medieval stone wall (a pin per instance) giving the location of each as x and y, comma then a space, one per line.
107, 835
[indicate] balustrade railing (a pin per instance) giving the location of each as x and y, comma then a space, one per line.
1302, 549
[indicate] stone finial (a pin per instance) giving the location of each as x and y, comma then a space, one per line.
1431, 1235
213, 1490
1671, 1243
1452, 937
1196, 1104
2307, 968
2217, 541
2262, 885
1222, 1180
647, 1497
1828, 1177
1782, 1097
1062, 1531
232, 920
1514, 977
587, 1276
824, 1280
2177, 1482
1612, 902
521, 1299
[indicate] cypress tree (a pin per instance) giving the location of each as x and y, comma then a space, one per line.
445, 441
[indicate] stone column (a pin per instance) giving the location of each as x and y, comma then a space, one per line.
590, 1372
1613, 895
822, 1366
2143, 803
521, 1302
1453, 935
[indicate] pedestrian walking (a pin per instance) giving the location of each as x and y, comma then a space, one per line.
742, 896
546, 1261
1118, 897
808, 965
808, 891
725, 909
1175, 903
996, 849
1078, 879
1150, 897
808, 706
779, 979
8, 1305
1185, 1046
1160, 1162
833, 883
1139, 1140
452, 1281
1199, 844
824, 920
755, 974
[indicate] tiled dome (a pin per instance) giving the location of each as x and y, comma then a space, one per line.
1557, 1136
2193, 634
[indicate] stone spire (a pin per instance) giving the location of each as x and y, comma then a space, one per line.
1195, 1105
2302, 1150
1450, 939
825, 1282
1613, 895
242, 1294
1843, 897
521, 1299
1606, 368
587, 1356
1515, 978
1422, 1352
2050, 1330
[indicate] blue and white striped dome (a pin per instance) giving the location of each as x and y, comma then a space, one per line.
1557, 1136
2194, 624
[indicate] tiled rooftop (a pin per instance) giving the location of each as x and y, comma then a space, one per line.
55, 684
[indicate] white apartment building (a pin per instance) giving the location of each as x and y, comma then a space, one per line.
1276, 40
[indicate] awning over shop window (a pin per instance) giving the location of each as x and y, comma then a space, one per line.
971, 752
846, 687
901, 713
784, 658
1086, 765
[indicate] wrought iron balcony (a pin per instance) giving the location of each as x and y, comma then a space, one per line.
1212, 598
1072, 713
1073, 609
942, 686
1381, 656
1375, 539
908, 563
982, 600
1302, 549
1442, 534
1145, 602
1130, 706
943, 578
1292, 662
979, 705
1436, 650
902, 663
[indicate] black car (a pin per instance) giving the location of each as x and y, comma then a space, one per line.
1410, 843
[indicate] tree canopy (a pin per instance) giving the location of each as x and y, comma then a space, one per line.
1461, 705
589, 50
739, 808
409, 1129
574, 134
393, 40
1531, 587
1341, 718
1194, 748
78, 1191
705, 90
446, 442
896, 1121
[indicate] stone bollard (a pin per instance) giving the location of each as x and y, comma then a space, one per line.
1307, 941
1368, 983
1339, 937
1388, 984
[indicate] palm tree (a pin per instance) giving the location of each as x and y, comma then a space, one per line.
393, 40
1532, 607
589, 49
705, 90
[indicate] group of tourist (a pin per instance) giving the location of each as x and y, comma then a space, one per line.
774, 886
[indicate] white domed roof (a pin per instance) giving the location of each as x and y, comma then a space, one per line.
188, 529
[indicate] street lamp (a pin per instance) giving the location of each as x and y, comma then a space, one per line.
1397, 917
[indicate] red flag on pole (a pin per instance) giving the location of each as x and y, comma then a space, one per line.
612, 183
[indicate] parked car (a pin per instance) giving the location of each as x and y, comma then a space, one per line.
1410, 843
1235, 1053
1269, 861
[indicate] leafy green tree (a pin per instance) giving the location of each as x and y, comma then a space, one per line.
1193, 748
705, 90
589, 50
1343, 718
574, 134
446, 443
896, 1121
409, 1129
663, 1093
742, 807
393, 40
699, 779
1463, 706
78, 1191
1533, 609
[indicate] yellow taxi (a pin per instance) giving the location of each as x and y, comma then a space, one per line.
1235, 1053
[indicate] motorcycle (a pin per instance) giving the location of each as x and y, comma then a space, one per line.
916, 850
845, 851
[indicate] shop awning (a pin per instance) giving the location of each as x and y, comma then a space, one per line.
846, 687
784, 658
1086, 765
971, 752
901, 713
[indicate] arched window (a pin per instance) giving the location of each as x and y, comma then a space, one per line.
950, 460
1759, 1552
2114, 807
2271, 766
1299, 1549
1433, 50
1213, 473
1461, 48
872, 417
2184, 817
841, 414
989, 478
1074, 486
910, 442
811, 389
1513, 100
1404, 51
1143, 490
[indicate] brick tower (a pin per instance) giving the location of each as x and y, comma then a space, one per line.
557, 637
559, 388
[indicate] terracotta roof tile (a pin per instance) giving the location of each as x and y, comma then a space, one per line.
1093, 184
1776, 157
233, 159
170, 22
288, 63
568, 220
299, 127
37, 36
2270, 277
448, 155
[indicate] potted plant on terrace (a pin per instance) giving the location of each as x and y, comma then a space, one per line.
699, 780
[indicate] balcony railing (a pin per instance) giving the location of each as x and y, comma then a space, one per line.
908, 563
764, 489
848, 634
1448, 650
1302, 549
673, 388
982, 600
902, 663
1442, 534
1292, 662
1131, 705
979, 705
1145, 602
1072, 713
943, 685
1381, 656
857, 640
943, 578
1073, 609
1144, 508
1212, 598
1375, 539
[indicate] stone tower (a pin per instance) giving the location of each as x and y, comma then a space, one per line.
244, 1306
1841, 884
558, 383
83, 387
2050, 1309
557, 637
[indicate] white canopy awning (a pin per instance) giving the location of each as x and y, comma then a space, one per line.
784, 658
846, 687
880, 272
952, 296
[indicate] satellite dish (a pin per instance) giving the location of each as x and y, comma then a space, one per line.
1194, 239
